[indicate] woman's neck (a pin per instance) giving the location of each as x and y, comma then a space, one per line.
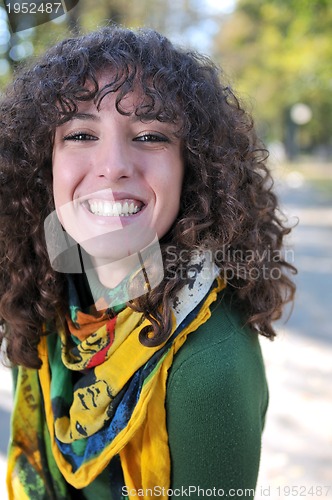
111, 274
127, 278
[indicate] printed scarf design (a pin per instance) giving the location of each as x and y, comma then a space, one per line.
99, 399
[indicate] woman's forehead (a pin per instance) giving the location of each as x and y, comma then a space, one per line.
130, 94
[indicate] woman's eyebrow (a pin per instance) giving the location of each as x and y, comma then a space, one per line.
85, 116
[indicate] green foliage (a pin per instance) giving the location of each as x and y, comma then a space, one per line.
279, 52
171, 18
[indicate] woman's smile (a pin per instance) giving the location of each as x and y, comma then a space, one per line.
113, 209
107, 204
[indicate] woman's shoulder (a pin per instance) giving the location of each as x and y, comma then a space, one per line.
223, 354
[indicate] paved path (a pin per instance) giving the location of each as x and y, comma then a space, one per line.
297, 442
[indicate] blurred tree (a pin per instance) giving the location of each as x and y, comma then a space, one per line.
174, 19
165, 16
279, 52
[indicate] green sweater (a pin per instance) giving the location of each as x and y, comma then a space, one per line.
216, 403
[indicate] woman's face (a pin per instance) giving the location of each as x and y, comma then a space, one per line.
116, 180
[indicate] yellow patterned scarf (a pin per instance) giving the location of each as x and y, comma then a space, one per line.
99, 401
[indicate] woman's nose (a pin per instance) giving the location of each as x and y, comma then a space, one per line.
113, 160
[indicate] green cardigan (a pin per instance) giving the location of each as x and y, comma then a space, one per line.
216, 403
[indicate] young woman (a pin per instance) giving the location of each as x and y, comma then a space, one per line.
141, 256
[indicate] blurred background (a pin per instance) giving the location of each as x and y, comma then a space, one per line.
277, 54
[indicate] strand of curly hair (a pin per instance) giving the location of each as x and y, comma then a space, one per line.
227, 199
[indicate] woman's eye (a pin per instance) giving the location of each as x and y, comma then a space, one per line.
80, 136
151, 138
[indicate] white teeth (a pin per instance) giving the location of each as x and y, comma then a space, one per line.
117, 209
109, 209
125, 208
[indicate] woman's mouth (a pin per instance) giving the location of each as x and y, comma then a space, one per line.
121, 208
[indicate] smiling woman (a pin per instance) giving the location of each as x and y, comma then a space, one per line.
122, 156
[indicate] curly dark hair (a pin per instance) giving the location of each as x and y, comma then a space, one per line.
227, 203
